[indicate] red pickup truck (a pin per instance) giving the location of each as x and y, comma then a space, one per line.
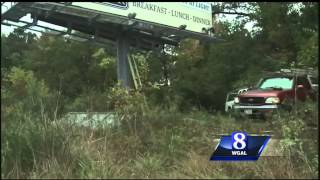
278, 90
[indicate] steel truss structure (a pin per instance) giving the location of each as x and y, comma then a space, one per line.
101, 28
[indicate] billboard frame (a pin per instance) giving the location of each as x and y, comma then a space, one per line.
138, 33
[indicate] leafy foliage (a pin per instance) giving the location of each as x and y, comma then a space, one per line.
166, 125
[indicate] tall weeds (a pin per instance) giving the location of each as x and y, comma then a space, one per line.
149, 143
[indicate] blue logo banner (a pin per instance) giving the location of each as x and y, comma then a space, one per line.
240, 147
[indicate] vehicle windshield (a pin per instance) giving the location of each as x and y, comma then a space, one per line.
277, 83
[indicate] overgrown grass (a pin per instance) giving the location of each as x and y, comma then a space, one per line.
150, 143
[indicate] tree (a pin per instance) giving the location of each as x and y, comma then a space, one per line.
14, 47
200, 75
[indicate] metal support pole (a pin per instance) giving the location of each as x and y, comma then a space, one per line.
123, 71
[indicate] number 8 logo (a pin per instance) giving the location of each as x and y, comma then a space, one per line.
239, 138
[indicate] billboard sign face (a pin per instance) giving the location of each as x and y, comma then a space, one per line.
195, 15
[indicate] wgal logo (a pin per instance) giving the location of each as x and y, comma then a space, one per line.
239, 143
239, 147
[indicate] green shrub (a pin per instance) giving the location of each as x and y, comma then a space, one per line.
29, 137
90, 101
299, 129
151, 142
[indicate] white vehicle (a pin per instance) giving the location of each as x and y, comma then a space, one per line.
314, 81
230, 98
230, 101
